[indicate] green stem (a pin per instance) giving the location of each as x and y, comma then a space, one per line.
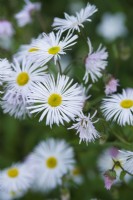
59, 65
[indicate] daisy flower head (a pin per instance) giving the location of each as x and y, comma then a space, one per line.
5, 70
10, 195
25, 15
95, 62
50, 46
23, 76
52, 159
16, 178
15, 104
76, 175
72, 23
126, 158
58, 100
109, 159
85, 128
119, 107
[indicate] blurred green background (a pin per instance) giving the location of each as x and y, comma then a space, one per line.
18, 138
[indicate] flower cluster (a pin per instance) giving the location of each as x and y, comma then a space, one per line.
34, 84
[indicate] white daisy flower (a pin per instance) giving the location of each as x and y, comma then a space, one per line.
50, 46
119, 107
107, 160
16, 179
23, 77
10, 195
25, 15
76, 175
126, 157
85, 128
74, 22
5, 70
15, 104
112, 26
58, 100
95, 62
51, 160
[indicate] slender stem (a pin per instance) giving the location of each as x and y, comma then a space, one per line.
59, 65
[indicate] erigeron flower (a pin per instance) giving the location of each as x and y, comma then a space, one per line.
25, 15
16, 178
57, 100
119, 107
74, 22
85, 128
95, 62
51, 160
15, 104
107, 160
5, 70
23, 77
111, 86
76, 175
126, 157
24, 50
50, 46
112, 26
10, 195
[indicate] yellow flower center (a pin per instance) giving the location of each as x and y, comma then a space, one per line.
33, 49
117, 164
51, 162
76, 171
13, 194
22, 78
55, 100
13, 172
127, 103
54, 50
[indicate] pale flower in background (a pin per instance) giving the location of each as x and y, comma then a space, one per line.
106, 162
25, 15
85, 128
51, 159
16, 178
112, 26
111, 86
11, 195
95, 62
71, 22
6, 33
119, 107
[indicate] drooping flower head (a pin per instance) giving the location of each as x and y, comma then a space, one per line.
58, 100
95, 62
50, 46
111, 86
51, 160
119, 107
25, 15
74, 22
85, 128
